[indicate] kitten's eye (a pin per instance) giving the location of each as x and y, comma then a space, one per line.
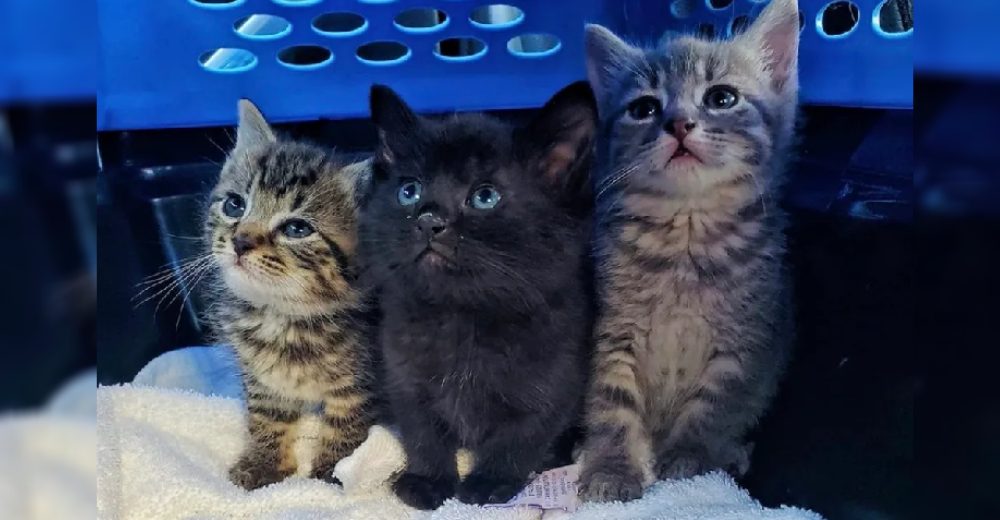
234, 206
721, 97
485, 197
297, 228
644, 108
409, 192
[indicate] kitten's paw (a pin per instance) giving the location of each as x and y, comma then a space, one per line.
250, 473
423, 492
611, 484
483, 489
681, 464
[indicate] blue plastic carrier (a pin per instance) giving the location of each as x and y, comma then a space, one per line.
177, 63
48, 51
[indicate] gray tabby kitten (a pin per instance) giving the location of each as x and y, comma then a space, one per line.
694, 326
282, 226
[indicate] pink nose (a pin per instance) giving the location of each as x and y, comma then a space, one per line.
680, 128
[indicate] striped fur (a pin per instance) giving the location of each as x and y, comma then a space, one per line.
694, 326
289, 306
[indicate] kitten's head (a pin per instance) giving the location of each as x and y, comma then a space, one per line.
470, 209
282, 222
694, 113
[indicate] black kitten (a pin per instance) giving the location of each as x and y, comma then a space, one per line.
475, 234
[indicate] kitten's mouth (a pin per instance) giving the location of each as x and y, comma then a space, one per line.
434, 256
682, 152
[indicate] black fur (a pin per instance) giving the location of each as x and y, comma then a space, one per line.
485, 343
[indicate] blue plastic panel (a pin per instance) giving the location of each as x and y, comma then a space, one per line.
48, 51
152, 77
864, 67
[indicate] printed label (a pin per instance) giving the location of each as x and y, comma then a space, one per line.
554, 489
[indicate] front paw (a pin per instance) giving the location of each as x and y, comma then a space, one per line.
423, 492
611, 484
251, 473
682, 463
483, 489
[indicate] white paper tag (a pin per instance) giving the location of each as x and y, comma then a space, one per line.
554, 489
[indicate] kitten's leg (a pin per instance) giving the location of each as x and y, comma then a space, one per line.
347, 415
708, 431
431, 472
269, 456
505, 460
617, 453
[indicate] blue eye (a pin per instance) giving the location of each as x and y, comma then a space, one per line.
297, 228
485, 197
721, 97
409, 193
234, 206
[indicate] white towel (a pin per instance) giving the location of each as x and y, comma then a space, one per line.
164, 454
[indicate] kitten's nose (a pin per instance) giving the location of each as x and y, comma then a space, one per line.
243, 242
680, 128
431, 225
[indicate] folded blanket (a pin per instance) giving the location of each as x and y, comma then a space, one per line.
164, 453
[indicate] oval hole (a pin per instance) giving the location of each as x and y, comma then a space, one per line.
460, 49
297, 3
496, 16
739, 25
383, 53
305, 57
536, 45
228, 60
894, 17
838, 19
262, 27
340, 24
706, 31
719, 5
216, 4
421, 20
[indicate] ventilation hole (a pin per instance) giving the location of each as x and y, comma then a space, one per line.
496, 16
305, 57
719, 4
894, 17
460, 49
297, 3
262, 27
340, 24
421, 20
838, 19
706, 31
383, 53
683, 8
228, 60
536, 45
216, 4
739, 25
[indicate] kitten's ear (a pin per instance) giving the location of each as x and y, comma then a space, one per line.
253, 128
560, 139
608, 56
395, 121
775, 34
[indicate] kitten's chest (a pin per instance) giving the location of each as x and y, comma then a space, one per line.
288, 360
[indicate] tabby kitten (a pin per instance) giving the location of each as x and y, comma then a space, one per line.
475, 234
282, 229
694, 321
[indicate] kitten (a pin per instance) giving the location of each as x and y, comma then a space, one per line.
475, 234
282, 228
694, 320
